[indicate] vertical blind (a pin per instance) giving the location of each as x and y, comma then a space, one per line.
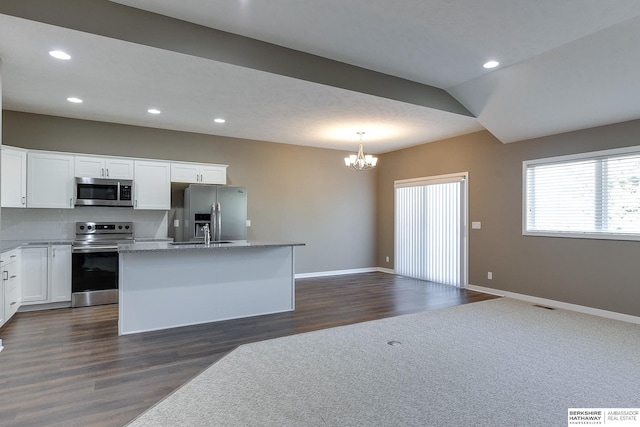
598, 196
428, 230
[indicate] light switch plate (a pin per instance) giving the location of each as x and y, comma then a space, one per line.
476, 225
248, 223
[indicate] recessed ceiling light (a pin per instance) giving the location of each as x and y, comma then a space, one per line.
219, 120
491, 64
74, 100
58, 54
153, 111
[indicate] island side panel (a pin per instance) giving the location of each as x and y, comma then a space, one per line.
166, 289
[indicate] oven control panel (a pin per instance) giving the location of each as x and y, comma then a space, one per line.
104, 228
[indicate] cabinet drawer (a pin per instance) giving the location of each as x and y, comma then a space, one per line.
11, 302
10, 256
12, 283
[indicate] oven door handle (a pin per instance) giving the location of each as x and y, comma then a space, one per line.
82, 250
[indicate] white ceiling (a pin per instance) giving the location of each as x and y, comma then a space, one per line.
565, 65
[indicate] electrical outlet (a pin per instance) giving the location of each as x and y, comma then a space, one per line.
248, 223
387, 259
490, 275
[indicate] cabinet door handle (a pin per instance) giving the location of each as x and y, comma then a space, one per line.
5, 275
53, 252
13, 277
107, 172
13, 303
71, 202
102, 172
13, 256
24, 200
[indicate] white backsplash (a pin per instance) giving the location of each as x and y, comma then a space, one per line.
59, 224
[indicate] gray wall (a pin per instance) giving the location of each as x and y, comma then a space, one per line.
603, 274
296, 193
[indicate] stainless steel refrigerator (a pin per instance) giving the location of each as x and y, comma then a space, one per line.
223, 208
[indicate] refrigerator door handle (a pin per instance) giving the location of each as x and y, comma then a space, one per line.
218, 222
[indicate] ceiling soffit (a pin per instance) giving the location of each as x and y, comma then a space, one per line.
116, 21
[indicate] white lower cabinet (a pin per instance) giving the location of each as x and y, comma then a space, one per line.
35, 266
60, 273
11, 290
46, 274
2, 309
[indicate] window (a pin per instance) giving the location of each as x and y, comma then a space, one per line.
592, 195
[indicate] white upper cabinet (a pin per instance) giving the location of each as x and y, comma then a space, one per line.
103, 167
198, 173
152, 183
50, 180
14, 178
46, 179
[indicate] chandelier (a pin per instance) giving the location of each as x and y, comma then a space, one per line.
360, 162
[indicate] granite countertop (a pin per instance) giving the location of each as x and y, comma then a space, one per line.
7, 245
184, 246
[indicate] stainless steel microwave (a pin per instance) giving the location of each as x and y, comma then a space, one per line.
103, 192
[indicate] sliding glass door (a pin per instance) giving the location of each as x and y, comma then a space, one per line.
430, 231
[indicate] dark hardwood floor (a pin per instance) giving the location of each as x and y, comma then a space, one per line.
68, 367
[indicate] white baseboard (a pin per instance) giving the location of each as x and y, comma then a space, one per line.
341, 272
335, 272
558, 304
528, 298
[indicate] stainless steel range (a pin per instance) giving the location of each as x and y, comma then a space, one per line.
94, 259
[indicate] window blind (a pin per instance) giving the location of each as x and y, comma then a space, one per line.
594, 195
428, 231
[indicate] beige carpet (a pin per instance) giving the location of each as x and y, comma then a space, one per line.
494, 363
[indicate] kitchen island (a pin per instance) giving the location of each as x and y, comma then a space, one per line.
166, 285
